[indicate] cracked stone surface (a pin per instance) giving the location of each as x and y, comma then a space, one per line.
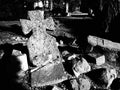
49, 75
40, 43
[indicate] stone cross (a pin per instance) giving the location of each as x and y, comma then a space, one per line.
42, 47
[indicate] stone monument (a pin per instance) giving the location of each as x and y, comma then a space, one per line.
43, 50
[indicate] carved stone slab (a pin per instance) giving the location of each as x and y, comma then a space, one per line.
42, 47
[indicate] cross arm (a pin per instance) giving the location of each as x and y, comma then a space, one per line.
49, 23
27, 26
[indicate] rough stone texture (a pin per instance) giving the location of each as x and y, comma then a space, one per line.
40, 43
96, 41
98, 59
75, 85
48, 75
81, 67
43, 50
85, 84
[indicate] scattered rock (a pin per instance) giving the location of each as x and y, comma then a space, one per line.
75, 85
56, 88
72, 57
104, 43
81, 67
23, 64
111, 75
16, 52
95, 58
85, 84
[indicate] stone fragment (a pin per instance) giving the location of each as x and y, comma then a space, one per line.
98, 77
100, 60
85, 84
48, 75
96, 41
72, 57
111, 75
16, 52
96, 58
81, 67
23, 64
75, 85
40, 43
22, 58
56, 88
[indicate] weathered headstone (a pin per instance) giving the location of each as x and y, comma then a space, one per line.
43, 50
40, 44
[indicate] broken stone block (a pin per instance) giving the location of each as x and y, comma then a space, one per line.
48, 75
96, 41
95, 58
84, 84
40, 43
23, 64
81, 67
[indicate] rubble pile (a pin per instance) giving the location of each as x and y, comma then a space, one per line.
52, 63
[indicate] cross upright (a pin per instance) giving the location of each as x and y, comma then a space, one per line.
41, 46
